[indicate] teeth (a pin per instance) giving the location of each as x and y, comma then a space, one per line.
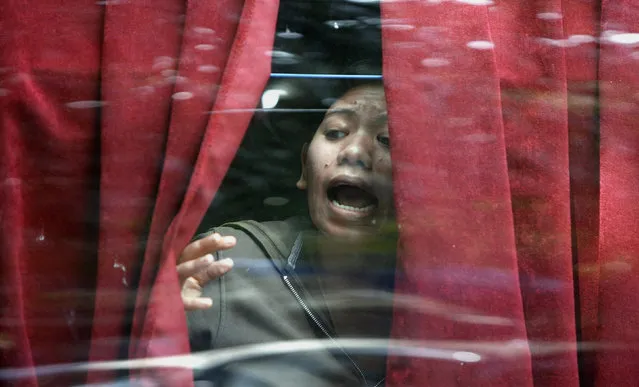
357, 209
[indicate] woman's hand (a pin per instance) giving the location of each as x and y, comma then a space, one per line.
196, 266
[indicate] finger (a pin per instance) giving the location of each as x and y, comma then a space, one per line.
197, 303
190, 268
208, 244
213, 271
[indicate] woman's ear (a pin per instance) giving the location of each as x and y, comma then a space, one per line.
301, 183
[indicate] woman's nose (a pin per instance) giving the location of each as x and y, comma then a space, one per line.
357, 151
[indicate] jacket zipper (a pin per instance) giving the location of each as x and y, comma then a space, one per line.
315, 319
321, 327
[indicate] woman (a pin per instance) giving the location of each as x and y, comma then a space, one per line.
296, 279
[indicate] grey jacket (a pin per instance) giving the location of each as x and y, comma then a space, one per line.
270, 297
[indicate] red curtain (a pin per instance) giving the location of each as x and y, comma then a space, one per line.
516, 166
109, 111
516, 162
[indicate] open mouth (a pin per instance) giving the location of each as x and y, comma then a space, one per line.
350, 196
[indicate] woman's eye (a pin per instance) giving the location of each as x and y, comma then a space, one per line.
384, 140
334, 134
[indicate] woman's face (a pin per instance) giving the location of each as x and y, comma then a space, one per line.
347, 167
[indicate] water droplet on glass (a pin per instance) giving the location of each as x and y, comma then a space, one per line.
480, 45
205, 47
371, 21
270, 98
182, 95
177, 79
476, 2
162, 62
282, 57
549, 16
621, 38
435, 62
469, 357
581, 39
288, 34
279, 54
207, 68
337, 24
203, 30
557, 42
398, 27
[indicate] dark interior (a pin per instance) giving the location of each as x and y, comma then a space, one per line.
313, 37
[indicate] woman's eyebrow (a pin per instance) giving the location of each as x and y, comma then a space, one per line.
344, 111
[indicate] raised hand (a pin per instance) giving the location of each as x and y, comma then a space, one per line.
197, 266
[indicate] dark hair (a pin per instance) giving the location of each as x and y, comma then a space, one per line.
362, 67
333, 89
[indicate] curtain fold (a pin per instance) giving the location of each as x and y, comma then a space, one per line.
222, 65
48, 185
105, 109
137, 83
247, 71
567, 78
619, 196
582, 63
532, 76
459, 280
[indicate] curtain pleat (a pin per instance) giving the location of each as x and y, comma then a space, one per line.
619, 198
137, 84
246, 73
221, 42
567, 93
105, 109
48, 185
532, 76
459, 280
